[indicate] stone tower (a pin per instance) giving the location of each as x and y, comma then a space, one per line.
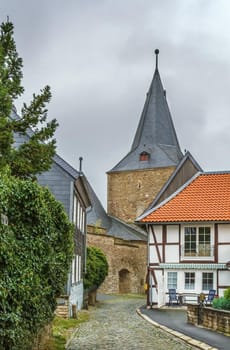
155, 152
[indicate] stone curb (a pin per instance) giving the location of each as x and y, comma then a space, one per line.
72, 336
191, 341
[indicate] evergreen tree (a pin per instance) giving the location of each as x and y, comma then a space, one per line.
35, 155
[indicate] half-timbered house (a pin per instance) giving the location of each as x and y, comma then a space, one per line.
189, 238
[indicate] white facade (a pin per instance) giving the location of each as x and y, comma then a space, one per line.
190, 257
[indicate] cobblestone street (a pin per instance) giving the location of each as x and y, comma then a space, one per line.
115, 325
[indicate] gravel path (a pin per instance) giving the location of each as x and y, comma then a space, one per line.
115, 325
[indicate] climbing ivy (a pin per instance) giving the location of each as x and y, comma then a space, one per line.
35, 254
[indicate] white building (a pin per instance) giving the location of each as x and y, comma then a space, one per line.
189, 239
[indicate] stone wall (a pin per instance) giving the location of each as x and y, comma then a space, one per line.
127, 263
62, 309
217, 320
131, 192
42, 338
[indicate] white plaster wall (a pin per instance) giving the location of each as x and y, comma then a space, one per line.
161, 292
224, 253
153, 256
158, 233
172, 253
224, 278
76, 295
224, 233
152, 291
172, 234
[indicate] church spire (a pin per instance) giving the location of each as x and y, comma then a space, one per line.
155, 134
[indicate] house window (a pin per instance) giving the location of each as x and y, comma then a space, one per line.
172, 280
207, 280
74, 209
78, 215
197, 241
144, 156
189, 281
76, 269
79, 268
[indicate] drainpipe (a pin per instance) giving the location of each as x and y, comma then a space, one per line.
149, 291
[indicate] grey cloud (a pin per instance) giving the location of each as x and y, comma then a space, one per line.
98, 58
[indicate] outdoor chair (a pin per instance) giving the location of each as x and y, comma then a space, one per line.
173, 297
210, 297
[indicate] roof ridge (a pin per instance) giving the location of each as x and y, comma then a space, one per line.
71, 168
216, 172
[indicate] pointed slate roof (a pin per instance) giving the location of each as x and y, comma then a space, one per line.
155, 134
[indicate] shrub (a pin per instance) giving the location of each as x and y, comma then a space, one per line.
221, 303
96, 268
36, 251
227, 294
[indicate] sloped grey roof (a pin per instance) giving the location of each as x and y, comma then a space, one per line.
66, 166
125, 231
97, 216
155, 134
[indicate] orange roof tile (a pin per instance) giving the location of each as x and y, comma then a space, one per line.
206, 198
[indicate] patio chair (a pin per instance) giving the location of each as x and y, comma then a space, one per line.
210, 297
173, 297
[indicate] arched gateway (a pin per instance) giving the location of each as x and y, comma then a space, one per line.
124, 281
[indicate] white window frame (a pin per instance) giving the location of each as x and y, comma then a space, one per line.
76, 275
172, 279
79, 214
211, 286
190, 285
198, 252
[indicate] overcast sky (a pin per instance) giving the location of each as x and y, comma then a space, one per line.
98, 58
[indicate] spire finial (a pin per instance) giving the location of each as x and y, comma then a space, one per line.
156, 53
80, 164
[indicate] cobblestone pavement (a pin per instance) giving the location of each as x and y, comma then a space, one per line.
114, 325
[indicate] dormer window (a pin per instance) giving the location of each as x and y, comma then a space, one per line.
144, 156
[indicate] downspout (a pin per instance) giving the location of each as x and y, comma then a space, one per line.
149, 291
68, 287
85, 223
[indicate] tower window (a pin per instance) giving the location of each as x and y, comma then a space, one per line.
144, 156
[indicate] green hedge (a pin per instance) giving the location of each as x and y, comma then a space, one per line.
222, 303
36, 249
96, 268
